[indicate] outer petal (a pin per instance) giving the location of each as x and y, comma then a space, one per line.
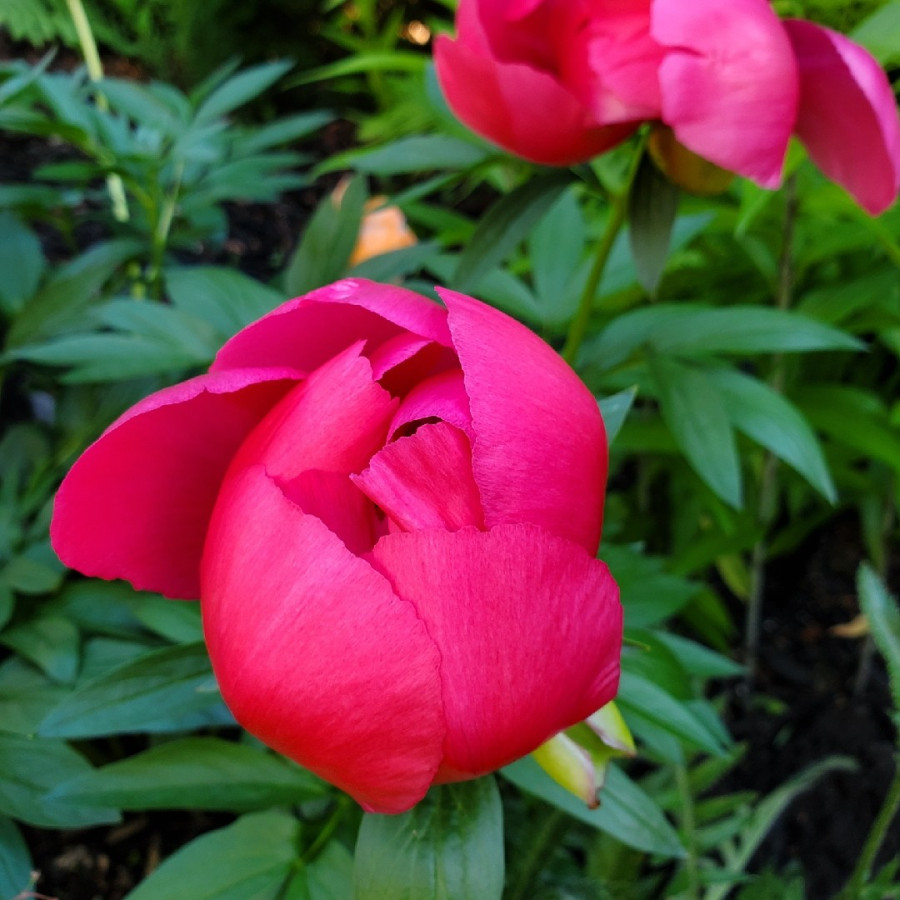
848, 115
540, 452
530, 629
425, 480
523, 109
310, 330
314, 653
729, 83
137, 502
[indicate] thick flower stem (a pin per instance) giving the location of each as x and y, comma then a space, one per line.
617, 214
689, 825
95, 72
875, 838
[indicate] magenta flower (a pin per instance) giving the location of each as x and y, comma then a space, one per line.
558, 81
390, 512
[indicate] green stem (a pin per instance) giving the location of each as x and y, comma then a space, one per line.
617, 215
161, 232
95, 72
689, 826
545, 840
875, 838
325, 832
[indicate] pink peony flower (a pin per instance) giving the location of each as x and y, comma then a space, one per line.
390, 512
558, 81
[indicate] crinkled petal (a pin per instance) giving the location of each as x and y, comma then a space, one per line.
848, 115
334, 421
522, 109
425, 480
540, 452
311, 329
729, 83
137, 502
529, 626
314, 653
442, 396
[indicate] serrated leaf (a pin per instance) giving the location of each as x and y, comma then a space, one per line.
448, 847
152, 693
652, 207
29, 769
504, 225
696, 414
883, 614
198, 772
626, 812
249, 860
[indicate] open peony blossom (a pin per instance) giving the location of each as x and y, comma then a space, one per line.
390, 512
558, 81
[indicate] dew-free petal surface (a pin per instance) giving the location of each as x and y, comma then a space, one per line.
442, 396
309, 330
137, 502
539, 453
425, 480
729, 83
530, 630
314, 653
848, 115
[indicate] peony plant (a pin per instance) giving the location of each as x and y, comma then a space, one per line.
389, 510
559, 81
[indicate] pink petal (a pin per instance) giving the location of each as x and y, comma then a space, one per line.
848, 115
310, 330
340, 504
425, 480
540, 452
530, 630
334, 421
401, 363
440, 397
314, 653
136, 504
729, 83
522, 109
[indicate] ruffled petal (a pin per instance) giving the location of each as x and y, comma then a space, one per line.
540, 452
517, 106
425, 480
334, 421
309, 330
137, 502
530, 630
848, 115
314, 653
729, 83
441, 397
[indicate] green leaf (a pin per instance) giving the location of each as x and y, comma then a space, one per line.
774, 422
176, 622
640, 695
505, 224
200, 772
15, 862
153, 693
883, 614
626, 812
328, 877
26, 696
21, 261
50, 642
241, 89
687, 328
249, 860
31, 576
615, 410
224, 298
421, 153
697, 416
652, 207
285, 130
448, 847
700, 661
879, 33
324, 250
29, 769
